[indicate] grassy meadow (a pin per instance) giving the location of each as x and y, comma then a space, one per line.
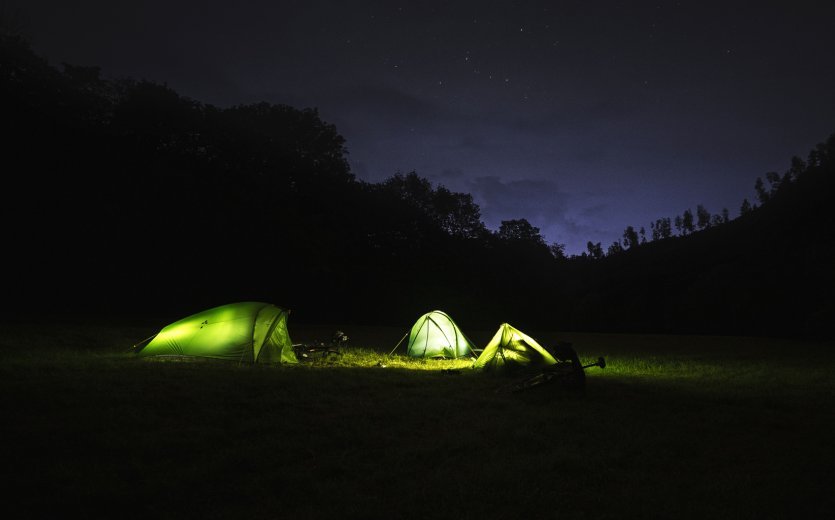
673, 427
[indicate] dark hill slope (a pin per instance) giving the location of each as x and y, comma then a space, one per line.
769, 272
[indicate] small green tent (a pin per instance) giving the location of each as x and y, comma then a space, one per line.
511, 348
435, 335
250, 332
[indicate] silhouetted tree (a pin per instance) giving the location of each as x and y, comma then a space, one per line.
762, 193
661, 228
726, 216
558, 251
687, 222
798, 166
679, 223
774, 181
814, 158
519, 230
745, 208
666, 227
702, 217
457, 214
630, 238
615, 248
412, 189
643, 233
595, 251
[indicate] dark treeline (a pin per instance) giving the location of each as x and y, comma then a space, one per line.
125, 198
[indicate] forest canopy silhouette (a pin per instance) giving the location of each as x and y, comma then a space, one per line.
123, 196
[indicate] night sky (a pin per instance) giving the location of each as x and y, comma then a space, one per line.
583, 117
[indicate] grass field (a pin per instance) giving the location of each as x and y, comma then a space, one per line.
674, 427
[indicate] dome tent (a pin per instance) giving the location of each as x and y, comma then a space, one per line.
510, 349
435, 335
249, 332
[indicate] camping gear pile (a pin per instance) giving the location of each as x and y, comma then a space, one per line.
256, 332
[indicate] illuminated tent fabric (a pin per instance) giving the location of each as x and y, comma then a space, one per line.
435, 335
511, 348
249, 332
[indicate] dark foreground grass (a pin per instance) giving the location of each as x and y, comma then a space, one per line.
674, 427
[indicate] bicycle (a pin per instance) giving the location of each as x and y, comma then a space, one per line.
564, 372
320, 349
567, 372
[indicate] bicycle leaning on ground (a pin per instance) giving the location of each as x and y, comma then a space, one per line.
567, 373
321, 349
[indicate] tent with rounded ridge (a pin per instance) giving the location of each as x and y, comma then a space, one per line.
248, 332
435, 335
511, 349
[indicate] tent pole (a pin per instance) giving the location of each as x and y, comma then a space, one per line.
398, 344
133, 348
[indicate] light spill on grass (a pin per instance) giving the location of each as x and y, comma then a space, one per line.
358, 357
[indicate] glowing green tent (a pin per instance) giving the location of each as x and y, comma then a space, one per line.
511, 348
249, 332
435, 335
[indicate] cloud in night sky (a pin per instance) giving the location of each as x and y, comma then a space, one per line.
540, 200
